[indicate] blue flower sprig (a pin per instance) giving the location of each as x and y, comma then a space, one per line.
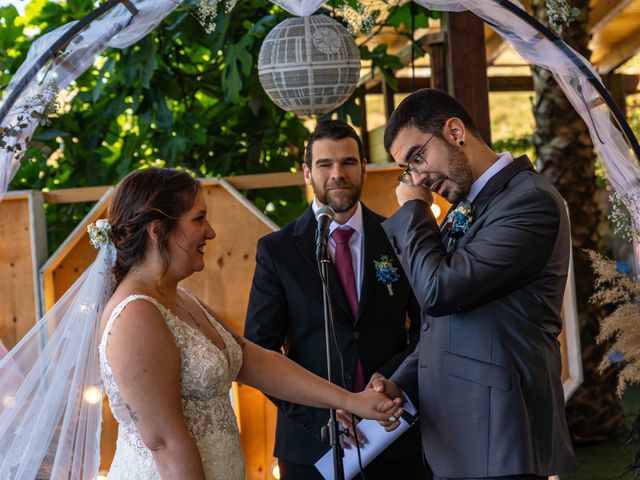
460, 219
386, 273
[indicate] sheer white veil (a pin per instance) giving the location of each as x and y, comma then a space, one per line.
50, 386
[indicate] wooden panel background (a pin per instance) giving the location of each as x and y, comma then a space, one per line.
21, 222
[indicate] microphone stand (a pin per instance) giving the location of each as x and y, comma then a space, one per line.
322, 254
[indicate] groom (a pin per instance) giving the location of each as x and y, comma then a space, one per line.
486, 372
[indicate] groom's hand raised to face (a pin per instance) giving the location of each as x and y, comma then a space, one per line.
406, 193
392, 408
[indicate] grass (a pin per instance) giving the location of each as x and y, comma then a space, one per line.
606, 461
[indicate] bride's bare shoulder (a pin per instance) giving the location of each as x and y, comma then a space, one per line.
121, 293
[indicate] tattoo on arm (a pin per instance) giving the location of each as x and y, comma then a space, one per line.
132, 414
239, 339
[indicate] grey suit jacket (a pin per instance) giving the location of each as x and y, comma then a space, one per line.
486, 371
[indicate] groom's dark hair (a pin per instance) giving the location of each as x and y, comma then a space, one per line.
427, 109
333, 130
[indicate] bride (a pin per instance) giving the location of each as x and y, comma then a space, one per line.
166, 360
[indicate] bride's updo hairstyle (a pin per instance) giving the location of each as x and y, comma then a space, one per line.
141, 197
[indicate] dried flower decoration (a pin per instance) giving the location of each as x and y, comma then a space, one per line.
37, 108
386, 272
625, 207
208, 12
615, 288
560, 14
99, 233
361, 19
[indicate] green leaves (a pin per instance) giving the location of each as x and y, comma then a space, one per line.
387, 64
179, 97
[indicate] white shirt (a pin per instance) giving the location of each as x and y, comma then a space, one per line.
504, 159
356, 242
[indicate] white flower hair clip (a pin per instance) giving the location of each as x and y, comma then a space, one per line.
99, 233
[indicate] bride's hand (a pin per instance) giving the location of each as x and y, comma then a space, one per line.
374, 405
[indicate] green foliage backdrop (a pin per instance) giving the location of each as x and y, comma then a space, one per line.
179, 98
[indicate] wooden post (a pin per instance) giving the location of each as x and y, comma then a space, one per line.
437, 47
466, 67
615, 83
387, 95
364, 130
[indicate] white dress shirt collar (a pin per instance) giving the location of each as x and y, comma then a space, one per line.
504, 159
354, 222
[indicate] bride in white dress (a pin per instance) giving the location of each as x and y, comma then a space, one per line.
167, 361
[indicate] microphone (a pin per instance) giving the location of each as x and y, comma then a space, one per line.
324, 216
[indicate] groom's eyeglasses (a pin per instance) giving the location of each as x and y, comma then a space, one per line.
417, 164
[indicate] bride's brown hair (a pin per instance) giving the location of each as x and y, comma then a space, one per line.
141, 197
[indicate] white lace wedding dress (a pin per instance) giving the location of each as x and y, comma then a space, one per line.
206, 376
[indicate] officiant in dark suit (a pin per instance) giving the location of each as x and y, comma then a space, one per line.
376, 316
490, 282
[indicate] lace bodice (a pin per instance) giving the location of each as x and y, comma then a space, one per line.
206, 376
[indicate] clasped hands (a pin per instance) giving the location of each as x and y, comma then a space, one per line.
381, 400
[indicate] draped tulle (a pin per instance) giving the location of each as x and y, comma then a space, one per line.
50, 386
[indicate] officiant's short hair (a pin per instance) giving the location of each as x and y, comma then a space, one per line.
427, 109
333, 130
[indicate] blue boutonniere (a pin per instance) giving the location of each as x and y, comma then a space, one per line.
386, 273
460, 218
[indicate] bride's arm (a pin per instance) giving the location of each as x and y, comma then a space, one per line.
276, 375
146, 366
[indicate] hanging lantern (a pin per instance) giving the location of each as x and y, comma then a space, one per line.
309, 65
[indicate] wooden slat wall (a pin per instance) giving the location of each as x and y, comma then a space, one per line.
21, 222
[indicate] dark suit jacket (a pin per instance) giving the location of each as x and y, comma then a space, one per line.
286, 311
486, 372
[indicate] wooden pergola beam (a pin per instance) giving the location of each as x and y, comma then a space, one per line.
374, 77
603, 12
466, 67
619, 53
495, 45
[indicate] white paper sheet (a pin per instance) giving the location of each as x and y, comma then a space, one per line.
378, 439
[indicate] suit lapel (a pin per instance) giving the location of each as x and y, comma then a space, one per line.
375, 246
498, 182
495, 185
445, 226
305, 230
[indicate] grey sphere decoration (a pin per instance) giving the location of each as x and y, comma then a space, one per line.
309, 65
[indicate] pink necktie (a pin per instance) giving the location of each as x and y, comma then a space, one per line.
344, 267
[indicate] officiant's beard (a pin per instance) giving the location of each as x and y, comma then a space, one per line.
340, 201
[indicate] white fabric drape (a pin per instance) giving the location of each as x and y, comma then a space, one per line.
50, 386
118, 28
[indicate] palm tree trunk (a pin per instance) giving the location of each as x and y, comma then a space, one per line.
565, 155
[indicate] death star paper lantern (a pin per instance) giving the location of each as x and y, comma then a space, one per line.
309, 65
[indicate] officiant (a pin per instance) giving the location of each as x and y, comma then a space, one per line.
376, 317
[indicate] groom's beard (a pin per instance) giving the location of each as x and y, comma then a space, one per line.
459, 176
339, 200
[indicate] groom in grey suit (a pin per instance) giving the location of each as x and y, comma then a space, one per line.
485, 375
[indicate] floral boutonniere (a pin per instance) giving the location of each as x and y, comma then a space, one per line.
460, 218
386, 273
